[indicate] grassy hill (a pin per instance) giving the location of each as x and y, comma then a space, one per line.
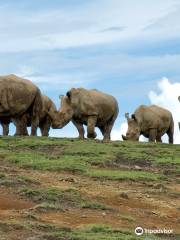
71, 189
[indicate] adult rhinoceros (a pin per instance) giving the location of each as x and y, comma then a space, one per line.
44, 119
150, 121
90, 107
19, 97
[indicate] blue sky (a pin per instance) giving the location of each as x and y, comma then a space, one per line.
120, 47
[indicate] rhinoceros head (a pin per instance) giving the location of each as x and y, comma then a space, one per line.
133, 131
62, 117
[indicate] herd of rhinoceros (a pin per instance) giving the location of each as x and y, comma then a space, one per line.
22, 103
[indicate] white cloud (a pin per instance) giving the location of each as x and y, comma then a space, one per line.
64, 81
164, 24
25, 71
64, 28
168, 98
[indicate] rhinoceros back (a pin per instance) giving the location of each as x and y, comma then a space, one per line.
153, 116
47, 105
93, 102
16, 95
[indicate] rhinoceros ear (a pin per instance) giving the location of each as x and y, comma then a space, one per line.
68, 94
133, 116
61, 96
127, 116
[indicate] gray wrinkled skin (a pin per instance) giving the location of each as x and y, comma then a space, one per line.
150, 121
86, 107
44, 119
19, 97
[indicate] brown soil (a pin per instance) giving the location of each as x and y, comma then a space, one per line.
144, 206
138, 164
11, 202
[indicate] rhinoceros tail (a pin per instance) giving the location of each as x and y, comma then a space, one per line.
170, 131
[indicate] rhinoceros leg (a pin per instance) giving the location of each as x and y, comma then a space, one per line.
107, 132
158, 138
34, 126
45, 127
90, 127
80, 129
5, 127
21, 126
170, 134
107, 129
102, 130
152, 135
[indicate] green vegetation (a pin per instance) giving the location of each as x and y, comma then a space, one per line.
147, 170
116, 160
16, 180
123, 175
69, 197
57, 199
88, 232
93, 205
99, 232
93, 232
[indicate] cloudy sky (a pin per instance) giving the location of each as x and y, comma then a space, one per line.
128, 48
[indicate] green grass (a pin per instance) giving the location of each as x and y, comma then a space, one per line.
96, 232
117, 161
42, 231
92, 158
68, 197
93, 205
57, 199
13, 180
124, 175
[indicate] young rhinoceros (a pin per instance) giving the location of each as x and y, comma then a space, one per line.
150, 121
18, 97
90, 107
44, 119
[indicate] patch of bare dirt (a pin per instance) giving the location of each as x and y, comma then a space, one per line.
76, 218
140, 164
132, 162
9, 201
54, 150
124, 163
141, 206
